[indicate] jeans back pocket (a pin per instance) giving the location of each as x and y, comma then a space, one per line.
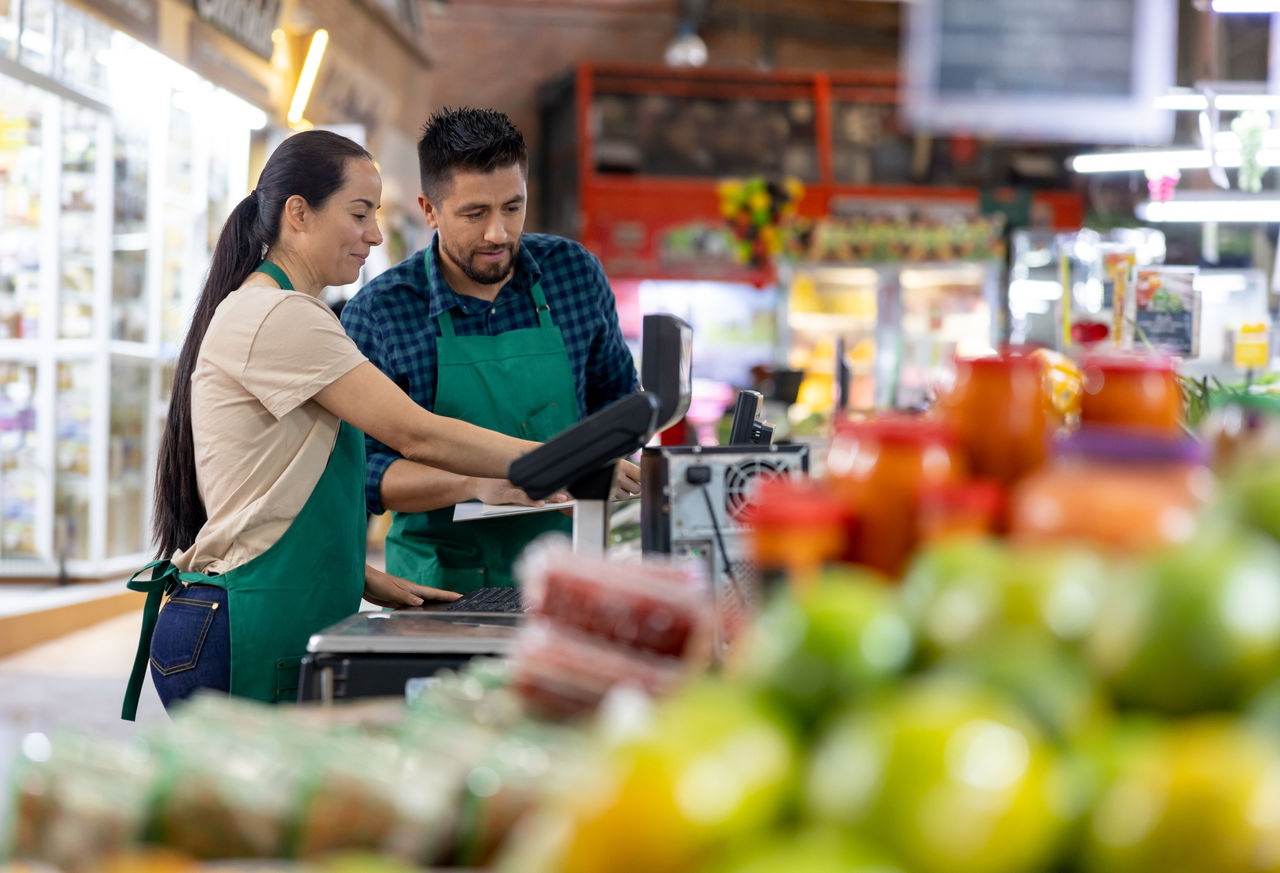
180, 634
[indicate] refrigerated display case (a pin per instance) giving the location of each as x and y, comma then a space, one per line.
896, 328
112, 169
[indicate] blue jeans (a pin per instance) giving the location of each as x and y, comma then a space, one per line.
191, 648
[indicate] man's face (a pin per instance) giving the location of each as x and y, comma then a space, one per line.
479, 218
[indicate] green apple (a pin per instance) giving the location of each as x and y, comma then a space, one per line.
961, 591
716, 766
1254, 491
949, 776
1040, 675
1199, 795
1198, 628
817, 650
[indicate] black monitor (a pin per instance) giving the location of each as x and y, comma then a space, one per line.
666, 365
622, 427
748, 428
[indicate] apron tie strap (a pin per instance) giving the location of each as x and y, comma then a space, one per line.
158, 583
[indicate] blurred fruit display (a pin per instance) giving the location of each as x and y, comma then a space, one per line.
1070, 702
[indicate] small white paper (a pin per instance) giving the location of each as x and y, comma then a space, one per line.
474, 509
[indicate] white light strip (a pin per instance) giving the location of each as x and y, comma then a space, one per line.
1223, 211
1186, 100
307, 79
1168, 159
1134, 162
1255, 6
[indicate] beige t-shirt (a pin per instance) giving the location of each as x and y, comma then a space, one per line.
261, 442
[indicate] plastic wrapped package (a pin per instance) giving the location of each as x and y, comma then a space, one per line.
653, 606
509, 779
563, 674
228, 788
76, 800
478, 691
373, 793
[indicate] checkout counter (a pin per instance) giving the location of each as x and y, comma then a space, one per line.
376, 653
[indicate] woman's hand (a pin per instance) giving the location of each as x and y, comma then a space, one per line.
383, 589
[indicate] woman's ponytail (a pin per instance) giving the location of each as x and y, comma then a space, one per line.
312, 165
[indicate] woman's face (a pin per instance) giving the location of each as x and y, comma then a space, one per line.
346, 226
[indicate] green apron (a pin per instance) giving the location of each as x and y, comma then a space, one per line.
520, 383
312, 577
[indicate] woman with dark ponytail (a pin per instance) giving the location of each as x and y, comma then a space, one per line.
259, 504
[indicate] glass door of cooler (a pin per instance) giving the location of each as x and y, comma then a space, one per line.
23, 474
941, 311
26, 177
128, 460
83, 218
830, 308
77, 383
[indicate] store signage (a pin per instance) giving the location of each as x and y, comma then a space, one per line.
138, 18
207, 55
248, 22
1064, 70
1251, 352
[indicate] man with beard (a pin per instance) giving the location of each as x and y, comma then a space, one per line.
511, 331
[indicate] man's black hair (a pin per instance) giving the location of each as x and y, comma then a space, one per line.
472, 140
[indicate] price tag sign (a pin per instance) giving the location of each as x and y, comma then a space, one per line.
1251, 347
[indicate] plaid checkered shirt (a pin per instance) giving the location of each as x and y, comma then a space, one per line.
394, 321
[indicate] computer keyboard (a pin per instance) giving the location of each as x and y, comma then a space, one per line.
496, 599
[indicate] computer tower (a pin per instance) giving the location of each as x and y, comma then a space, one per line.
693, 507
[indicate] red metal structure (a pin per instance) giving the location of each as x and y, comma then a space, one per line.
614, 136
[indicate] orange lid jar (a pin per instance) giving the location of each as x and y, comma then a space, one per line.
795, 526
1132, 391
1002, 414
878, 468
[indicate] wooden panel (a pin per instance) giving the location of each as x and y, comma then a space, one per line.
23, 630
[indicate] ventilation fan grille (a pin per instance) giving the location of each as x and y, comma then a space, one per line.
739, 482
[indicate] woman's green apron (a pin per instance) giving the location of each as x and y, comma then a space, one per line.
519, 383
312, 577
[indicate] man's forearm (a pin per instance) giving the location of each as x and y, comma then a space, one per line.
408, 486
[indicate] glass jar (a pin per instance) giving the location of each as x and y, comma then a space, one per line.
1115, 488
1002, 414
1132, 391
878, 468
973, 508
796, 527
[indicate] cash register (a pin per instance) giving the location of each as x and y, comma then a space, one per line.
375, 653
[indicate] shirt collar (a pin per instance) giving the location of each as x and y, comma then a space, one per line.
442, 298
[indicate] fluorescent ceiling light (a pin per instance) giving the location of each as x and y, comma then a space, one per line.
1225, 102
307, 79
1156, 160
1254, 6
1226, 211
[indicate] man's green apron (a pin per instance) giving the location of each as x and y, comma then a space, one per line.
520, 383
312, 577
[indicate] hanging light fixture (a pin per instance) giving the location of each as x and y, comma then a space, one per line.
687, 49
1248, 6
307, 78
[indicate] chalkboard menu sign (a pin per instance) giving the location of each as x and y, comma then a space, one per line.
1059, 70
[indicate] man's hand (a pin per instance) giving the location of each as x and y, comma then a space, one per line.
499, 491
626, 480
383, 589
